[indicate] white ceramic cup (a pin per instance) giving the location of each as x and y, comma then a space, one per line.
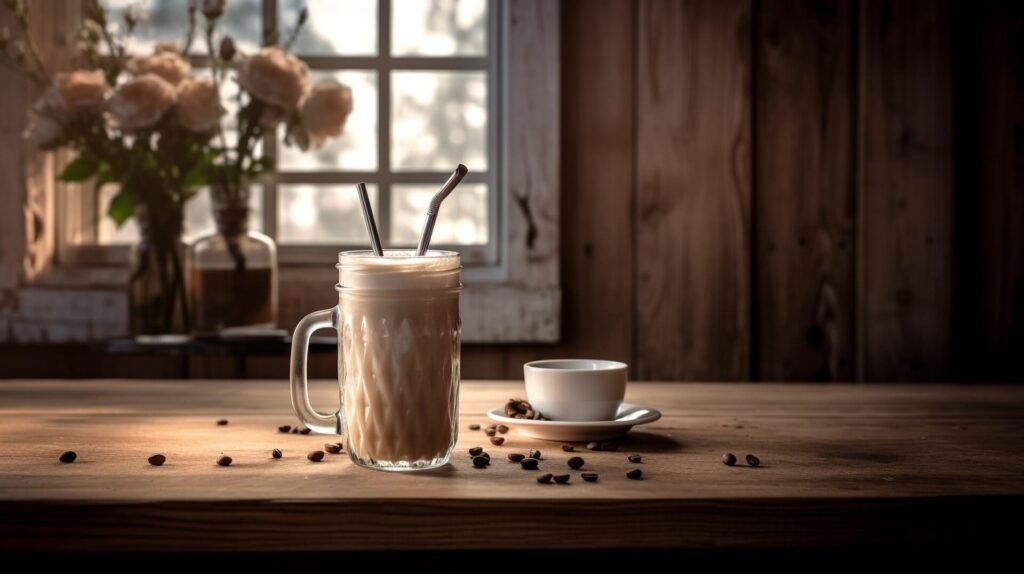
575, 389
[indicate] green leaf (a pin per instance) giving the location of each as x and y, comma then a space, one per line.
121, 207
81, 168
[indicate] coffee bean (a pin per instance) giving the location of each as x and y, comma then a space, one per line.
222, 422
497, 440
68, 457
593, 446
534, 453
295, 430
544, 478
635, 474
480, 461
529, 463
515, 456
502, 429
575, 463
333, 447
474, 427
589, 476
635, 458
305, 430
609, 446
476, 450
284, 428
753, 460
157, 459
562, 478
315, 456
568, 448
729, 459
276, 453
490, 431
224, 460
487, 456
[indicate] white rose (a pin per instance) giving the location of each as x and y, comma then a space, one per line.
168, 65
275, 77
198, 108
82, 90
140, 102
325, 110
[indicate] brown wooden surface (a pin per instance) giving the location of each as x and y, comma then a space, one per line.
693, 190
805, 206
841, 465
906, 190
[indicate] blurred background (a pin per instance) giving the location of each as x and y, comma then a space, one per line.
784, 190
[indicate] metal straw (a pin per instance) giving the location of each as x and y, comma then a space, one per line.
435, 205
371, 225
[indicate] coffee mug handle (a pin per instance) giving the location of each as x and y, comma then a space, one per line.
325, 424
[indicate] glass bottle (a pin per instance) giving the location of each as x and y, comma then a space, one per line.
156, 283
232, 274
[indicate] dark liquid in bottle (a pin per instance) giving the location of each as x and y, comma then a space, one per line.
230, 298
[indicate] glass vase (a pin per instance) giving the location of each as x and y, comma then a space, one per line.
232, 276
157, 300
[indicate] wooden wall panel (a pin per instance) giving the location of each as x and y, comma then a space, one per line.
693, 189
905, 190
805, 206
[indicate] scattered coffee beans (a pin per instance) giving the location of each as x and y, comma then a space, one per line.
489, 431
222, 422
502, 429
480, 461
284, 428
520, 409
333, 447
575, 463
276, 453
753, 460
474, 427
487, 456
635, 474
315, 456
534, 453
224, 460
593, 446
544, 478
515, 456
529, 463
157, 459
497, 440
305, 430
476, 450
562, 478
568, 448
295, 430
589, 476
729, 459
609, 446
635, 458
68, 457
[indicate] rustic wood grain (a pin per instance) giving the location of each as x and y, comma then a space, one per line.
842, 465
693, 189
805, 206
905, 190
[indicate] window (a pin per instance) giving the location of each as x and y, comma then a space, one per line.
425, 79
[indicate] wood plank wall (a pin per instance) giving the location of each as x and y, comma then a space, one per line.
810, 190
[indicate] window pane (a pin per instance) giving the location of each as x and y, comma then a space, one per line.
167, 21
198, 217
334, 27
356, 149
439, 120
462, 220
321, 214
438, 27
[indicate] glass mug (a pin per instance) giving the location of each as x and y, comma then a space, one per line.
398, 358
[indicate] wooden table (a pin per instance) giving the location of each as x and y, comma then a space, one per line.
841, 465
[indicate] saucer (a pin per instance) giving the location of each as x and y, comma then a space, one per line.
629, 416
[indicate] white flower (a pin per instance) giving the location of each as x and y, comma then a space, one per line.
82, 90
274, 77
140, 102
166, 64
198, 107
325, 110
